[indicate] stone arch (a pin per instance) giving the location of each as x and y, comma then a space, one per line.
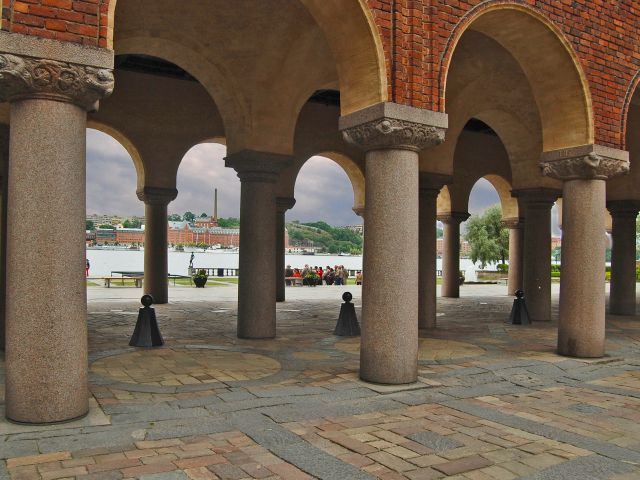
260, 75
556, 77
502, 186
632, 96
128, 145
351, 168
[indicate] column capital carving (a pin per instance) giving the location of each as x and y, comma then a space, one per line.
256, 166
358, 211
588, 162
623, 208
24, 77
434, 181
157, 195
284, 203
513, 223
393, 126
542, 197
450, 217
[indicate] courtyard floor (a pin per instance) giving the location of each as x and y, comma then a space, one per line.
493, 400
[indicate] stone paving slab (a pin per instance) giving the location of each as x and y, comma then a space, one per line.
493, 401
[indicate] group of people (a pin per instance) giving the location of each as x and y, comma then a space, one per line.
312, 276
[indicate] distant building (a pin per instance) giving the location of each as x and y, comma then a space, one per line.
356, 228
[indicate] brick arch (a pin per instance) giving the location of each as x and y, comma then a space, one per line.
354, 41
556, 74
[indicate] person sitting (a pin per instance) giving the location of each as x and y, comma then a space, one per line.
288, 273
329, 276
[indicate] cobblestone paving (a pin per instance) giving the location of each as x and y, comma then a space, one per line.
493, 401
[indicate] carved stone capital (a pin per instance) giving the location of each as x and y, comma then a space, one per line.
157, 195
513, 223
588, 162
450, 217
255, 166
358, 211
26, 77
623, 208
284, 203
393, 126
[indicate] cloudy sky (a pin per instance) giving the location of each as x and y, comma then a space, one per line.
323, 190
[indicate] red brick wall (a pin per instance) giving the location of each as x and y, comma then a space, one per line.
67, 20
604, 33
414, 33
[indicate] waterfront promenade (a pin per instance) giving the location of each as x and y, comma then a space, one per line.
493, 401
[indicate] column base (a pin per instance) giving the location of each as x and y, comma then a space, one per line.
55, 422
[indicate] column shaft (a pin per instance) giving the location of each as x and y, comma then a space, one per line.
427, 258
46, 310
280, 290
451, 258
4, 162
389, 342
256, 288
537, 259
581, 328
156, 260
516, 237
622, 295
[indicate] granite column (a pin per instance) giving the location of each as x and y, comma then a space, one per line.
258, 173
451, 254
156, 257
282, 205
622, 292
46, 309
583, 170
430, 186
392, 135
516, 240
536, 256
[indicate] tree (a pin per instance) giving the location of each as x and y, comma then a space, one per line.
488, 237
174, 217
439, 232
89, 225
105, 225
132, 223
230, 222
189, 217
203, 215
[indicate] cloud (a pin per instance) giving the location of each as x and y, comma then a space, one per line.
323, 191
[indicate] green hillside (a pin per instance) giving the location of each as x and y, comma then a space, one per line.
322, 235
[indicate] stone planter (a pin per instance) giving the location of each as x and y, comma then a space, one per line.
200, 281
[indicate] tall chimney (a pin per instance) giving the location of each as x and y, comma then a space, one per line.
215, 205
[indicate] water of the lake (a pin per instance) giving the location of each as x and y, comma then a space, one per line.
103, 262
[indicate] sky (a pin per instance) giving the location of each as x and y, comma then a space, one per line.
322, 191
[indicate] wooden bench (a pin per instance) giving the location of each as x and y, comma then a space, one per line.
137, 281
295, 281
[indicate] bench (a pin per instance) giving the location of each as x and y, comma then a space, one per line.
137, 281
503, 281
295, 281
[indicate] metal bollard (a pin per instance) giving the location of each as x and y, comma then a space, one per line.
347, 325
519, 313
146, 333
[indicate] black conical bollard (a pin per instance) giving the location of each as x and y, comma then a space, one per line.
347, 325
519, 313
146, 333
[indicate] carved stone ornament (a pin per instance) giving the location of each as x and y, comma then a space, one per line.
591, 166
394, 133
157, 195
26, 77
